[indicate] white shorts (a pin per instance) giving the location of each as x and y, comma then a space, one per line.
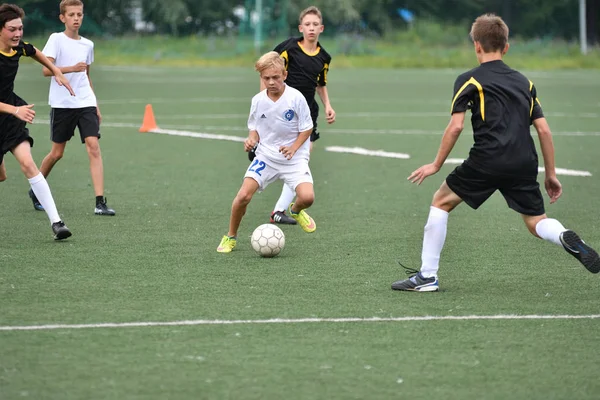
266, 172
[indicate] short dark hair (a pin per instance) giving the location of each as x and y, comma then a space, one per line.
491, 32
8, 12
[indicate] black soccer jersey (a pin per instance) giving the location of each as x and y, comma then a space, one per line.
503, 104
305, 71
9, 65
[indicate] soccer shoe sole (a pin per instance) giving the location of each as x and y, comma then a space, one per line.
62, 234
97, 211
422, 288
285, 220
581, 251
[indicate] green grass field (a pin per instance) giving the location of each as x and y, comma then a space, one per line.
301, 325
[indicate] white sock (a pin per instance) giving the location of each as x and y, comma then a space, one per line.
550, 229
286, 198
40, 188
433, 241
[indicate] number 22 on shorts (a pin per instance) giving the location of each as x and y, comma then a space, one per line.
257, 166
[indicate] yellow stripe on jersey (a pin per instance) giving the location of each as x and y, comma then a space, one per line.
474, 82
317, 50
536, 99
531, 108
286, 58
325, 69
12, 53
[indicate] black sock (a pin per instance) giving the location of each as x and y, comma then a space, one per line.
99, 199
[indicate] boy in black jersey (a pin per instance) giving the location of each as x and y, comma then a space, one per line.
307, 64
15, 113
503, 105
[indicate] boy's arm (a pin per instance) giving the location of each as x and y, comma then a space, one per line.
552, 184
289, 151
451, 134
58, 75
79, 67
24, 113
252, 140
329, 111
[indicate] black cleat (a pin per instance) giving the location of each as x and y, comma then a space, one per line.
417, 283
103, 209
36, 203
60, 230
279, 217
581, 251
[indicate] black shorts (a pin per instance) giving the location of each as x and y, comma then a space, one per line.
13, 131
63, 122
522, 193
314, 113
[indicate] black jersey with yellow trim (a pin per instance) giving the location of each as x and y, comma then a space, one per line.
9, 66
305, 70
503, 104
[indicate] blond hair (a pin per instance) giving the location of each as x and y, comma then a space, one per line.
268, 60
310, 10
491, 32
67, 3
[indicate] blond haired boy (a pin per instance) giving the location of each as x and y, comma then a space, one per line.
307, 64
279, 126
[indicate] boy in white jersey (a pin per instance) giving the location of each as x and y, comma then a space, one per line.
73, 54
280, 123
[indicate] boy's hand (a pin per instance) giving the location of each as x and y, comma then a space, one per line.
419, 175
330, 115
287, 151
99, 115
80, 67
25, 113
249, 144
553, 188
63, 81
2, 172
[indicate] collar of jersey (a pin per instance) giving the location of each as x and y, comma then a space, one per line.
307, 53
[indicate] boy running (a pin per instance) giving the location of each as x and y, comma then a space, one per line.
73, 54
279, 125
307, 64
15, 113
503, 105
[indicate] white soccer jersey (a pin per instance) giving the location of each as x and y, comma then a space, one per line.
67, 52
279, 123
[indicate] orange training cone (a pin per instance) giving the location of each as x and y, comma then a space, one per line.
149, 123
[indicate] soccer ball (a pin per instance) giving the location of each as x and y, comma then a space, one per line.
267, 240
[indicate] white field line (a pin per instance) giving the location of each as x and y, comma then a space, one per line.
199, 135
335, 149
559, 171
241, 128
366, 152
293, 321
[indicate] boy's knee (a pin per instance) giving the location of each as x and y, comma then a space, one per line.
56, 154
243, 197
93, 149
306, 198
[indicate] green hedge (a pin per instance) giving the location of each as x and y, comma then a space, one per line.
403, 50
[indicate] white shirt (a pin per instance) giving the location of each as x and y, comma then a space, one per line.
67, 52
279, 123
